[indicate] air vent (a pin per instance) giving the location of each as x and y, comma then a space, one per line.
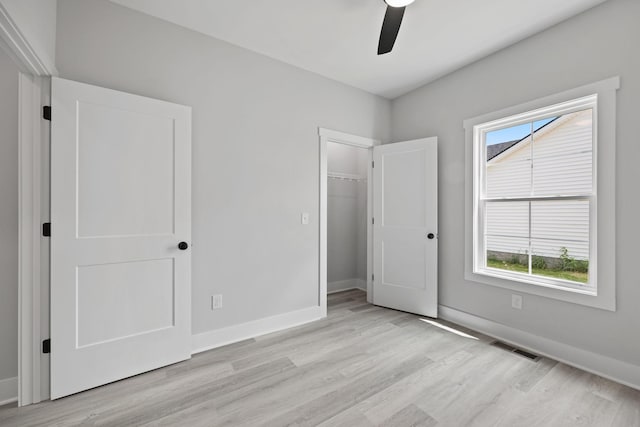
519, 352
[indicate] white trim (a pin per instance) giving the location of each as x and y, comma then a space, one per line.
29, 243
604, 366
19, 48
369, 286
322, 231
347, 139
610, 84
32, 89
604, 176
346, 285
229, 335
326, 136
8, 390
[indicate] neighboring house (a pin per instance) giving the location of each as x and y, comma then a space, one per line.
510, 174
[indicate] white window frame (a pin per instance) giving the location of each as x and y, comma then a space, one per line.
601, 98
480, 200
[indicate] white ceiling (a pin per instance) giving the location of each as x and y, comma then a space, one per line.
338, 38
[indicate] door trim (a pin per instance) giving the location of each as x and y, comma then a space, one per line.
31, 250
326, 136
33, 85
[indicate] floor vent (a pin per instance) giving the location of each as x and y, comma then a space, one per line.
519, 352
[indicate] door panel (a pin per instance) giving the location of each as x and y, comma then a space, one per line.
113, 147
124, 288
120, 204
403, 196
403, 260
406, 212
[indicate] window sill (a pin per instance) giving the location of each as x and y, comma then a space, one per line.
561, 285
586, 297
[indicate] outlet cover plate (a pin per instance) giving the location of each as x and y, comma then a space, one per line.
516, 301
216, 302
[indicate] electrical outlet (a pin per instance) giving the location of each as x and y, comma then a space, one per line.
304, 218
216, 302
516, 301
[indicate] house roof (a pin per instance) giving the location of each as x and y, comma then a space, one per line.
496, 149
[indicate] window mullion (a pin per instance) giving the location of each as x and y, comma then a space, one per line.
530, 244
530, 251
538, 198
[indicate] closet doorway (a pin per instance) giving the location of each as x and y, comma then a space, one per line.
346, 211
402, 245
346, 217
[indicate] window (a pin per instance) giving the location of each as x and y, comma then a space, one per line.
534, 196
533, 218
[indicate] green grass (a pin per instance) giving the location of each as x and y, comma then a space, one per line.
573, 276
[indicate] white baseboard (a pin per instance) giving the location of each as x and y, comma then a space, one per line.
213, 339
604, 366
8, 390
346, 285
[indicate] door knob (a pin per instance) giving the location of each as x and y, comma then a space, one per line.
183, 246
430, 236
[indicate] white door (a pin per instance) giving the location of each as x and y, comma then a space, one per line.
120, 206
405, 230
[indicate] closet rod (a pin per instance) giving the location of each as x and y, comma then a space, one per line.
346, 177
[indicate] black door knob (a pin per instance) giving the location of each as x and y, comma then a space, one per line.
430, 236
183, 246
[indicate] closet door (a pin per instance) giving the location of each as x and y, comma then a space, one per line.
405, 231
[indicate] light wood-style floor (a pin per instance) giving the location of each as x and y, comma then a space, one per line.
362, 366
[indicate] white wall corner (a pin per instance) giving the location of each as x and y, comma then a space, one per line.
604, 366
8, 390
220, 337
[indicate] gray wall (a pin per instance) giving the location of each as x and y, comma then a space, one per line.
597, 44
8, 217
255, 149
346, 214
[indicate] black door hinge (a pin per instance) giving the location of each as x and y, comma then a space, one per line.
46, 346
46, 112
373, 164
46, 229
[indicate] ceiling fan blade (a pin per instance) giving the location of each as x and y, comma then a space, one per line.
390, 27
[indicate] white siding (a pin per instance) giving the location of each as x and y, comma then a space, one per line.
562, 165
560, 224
562, 157
509, 174
507, 219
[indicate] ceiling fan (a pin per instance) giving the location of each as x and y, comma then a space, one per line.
391, 24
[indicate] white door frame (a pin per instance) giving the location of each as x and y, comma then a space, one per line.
33, 93
326, 136
33, 250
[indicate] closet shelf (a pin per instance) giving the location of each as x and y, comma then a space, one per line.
346, 177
